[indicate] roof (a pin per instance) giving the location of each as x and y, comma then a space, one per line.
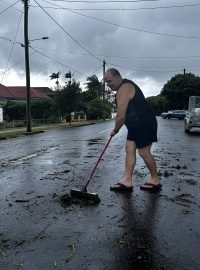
45, 90
4, 92
19, 92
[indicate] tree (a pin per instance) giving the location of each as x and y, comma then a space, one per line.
42, 109
92, 99
14, 110
55, 76
158, 104
94, 88
67, 100
68, 75
97, 109
179, 88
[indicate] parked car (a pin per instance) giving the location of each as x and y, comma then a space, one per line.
164, 115
192, 118
179, 114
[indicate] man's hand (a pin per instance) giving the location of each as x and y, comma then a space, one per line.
114, 132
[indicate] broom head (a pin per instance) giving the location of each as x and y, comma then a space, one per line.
81, 194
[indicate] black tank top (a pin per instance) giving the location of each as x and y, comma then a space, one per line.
138, 111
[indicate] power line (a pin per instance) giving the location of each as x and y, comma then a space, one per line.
96, 70
12, 48
36, 51
141, 70
10, 40
9, 7
122, 9
112, 64
107, 56
22, 60
123, 57
13, 6
106, 1
6, 39
137, 29
128, 27
48, 57
56, 61
77, 42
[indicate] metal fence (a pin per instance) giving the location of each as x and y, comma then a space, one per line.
38, 122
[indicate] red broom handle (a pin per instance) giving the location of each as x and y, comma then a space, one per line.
98, 161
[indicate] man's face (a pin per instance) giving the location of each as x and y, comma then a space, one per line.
111, 82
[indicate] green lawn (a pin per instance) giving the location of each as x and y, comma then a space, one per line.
14, 132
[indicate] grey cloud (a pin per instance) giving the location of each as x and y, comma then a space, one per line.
135, 52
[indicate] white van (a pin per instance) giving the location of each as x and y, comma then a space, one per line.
192, 117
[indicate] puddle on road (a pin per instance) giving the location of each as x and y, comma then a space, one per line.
184, 199
19, 160
57, 176
47, 162
94, 141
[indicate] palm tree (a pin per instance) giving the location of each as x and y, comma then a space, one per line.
69, 76
94, 86
56, 76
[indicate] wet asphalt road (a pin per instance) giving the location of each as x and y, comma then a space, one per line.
125, 231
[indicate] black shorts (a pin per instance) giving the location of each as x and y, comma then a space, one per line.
143, 135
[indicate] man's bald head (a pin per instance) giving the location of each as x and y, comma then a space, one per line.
113, 78
114, 72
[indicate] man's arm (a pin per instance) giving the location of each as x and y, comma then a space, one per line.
124, 94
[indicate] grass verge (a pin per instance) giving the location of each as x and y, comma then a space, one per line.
15, 132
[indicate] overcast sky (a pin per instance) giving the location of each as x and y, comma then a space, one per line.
148, 41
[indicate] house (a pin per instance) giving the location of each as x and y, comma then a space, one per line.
46, 90
18, 93
3, 94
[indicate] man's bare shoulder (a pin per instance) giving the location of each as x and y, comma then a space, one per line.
126, 89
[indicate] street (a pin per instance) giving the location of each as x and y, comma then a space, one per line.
139, 230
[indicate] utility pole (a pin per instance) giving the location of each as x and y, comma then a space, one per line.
104, 88
184, 97
26, 49
104, 70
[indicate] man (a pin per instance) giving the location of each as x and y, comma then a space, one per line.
134, 112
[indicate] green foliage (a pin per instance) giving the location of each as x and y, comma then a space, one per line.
97, 109
108, 108
92, 99
179, 88
158, 104
94, 88
56, 76
110, 96
42, 109
14, 110
68, 100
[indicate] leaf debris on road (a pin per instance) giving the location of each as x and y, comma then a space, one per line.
72, 252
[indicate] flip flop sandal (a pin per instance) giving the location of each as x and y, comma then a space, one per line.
152, 187
120, 187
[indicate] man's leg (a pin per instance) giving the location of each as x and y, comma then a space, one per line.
130, 161
150, 162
